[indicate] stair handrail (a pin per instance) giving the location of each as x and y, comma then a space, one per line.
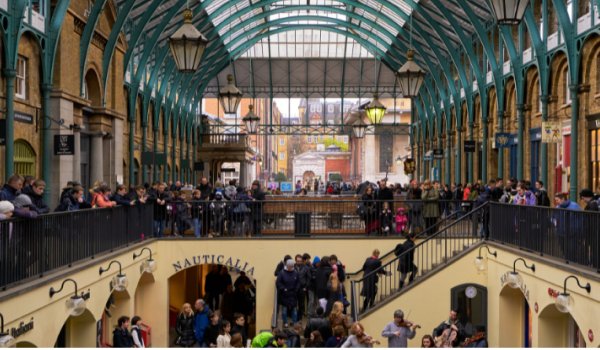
275, 311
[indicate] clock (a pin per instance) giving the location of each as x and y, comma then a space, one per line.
471, 292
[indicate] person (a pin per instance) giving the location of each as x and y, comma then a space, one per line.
485, 197
399, 331
226, 305
196, 213
238, 328
293, 336
160, 209
236, 341
337, 318
451, 321
12, 188
185, 327
212, 287
224, 338
321, 278
101, 200
200, 320
401, 221
119, 196
281, 264
224, 281
386, 218
288, 284
205, 190
136, 332
541, 196
587, 196
260, 341
73, 201
338, 338
242, 302
479, 340
523, 195
317, 322
315, 340
334, 289
415, 207
240, 213
313, 301
359, 339
121, 336
567, 224
303, 272
22, 208
371, 216
383, 195
211, 333
406, 264
277, 341
6, 210
35, 192
371, 272
431, 209
218, 208
257, 195
427, 341
341, 272
137, 195
298, 185
242, 279
457, 197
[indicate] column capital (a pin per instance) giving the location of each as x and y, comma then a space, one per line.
545, 98
574, 88
520, 107
9, 73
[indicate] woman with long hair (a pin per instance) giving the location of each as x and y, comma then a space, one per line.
236, 341
185, 327
334, 288
224, 339
337, 317
427, 341
315, 341
359, 339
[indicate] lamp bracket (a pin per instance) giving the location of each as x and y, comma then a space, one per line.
109, 265
138, 255
532, 267
495, 254
587, 287
52, 291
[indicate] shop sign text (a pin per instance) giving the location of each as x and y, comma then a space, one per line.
214, 259
22, 329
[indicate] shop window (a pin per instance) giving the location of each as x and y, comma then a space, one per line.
88, 8
345, 139
309, 139
598, 74
24, 158
20, 87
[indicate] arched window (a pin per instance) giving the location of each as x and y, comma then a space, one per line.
24, 158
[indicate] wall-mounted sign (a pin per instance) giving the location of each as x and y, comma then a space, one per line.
501, 140
536, 308
228, 170
286, 187
591, 335
147, 158
409, 166
551, 132
198, 166
438, 153
469, 146
2, 132
22, 329
160, 159
553, 292
210, 259
64, 145
185, 163
23, 117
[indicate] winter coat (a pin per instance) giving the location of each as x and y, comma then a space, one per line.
293, 339
431, 209
321, 280
24, 214
332, 296
256, 208
200, 323
71, 204
160, 211
8, 193
541, 198
457, 194
591, 206
341, 271
465, 193
304, 275
241, 280
288, 283
122, 339
197, 208
37, 201
415, 194
185, 329
212, 284
340, 320
242, 303
120, 199
335, 342
224, 341
261, 340
529, 198
101, 201
384, 194
240, 210
226, 306
369, 289
473, 195
567, 223
211, 333
237, 329
205, 190
317, 323
224, 281
230, 191
272, 343
405, 265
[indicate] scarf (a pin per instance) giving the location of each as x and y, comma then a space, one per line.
565, 204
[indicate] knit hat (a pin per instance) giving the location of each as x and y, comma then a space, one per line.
400, 209
22, 201
289, 263
256, 182
219, 193
586, 193
316, 260
6, 207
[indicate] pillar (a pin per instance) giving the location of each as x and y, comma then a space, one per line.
243, 172
46, 89
174, 158
194, 145
187, 156
458, 160
96, 159
9, 149
166, 151
419, 162
545, 99
484, 142
181, 158
500, 115
155, 149
573, 194
447, 158
77, 153
143, 148
470, 177
520, 109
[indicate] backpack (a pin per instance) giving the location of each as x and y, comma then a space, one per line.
399, 249
361, 210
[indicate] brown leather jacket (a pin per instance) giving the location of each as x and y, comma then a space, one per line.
341, 320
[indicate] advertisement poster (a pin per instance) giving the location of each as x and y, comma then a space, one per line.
551, 132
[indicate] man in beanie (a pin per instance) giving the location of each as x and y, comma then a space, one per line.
22, 204
288, 283
257, 195
479, 340
587, 196
6, 209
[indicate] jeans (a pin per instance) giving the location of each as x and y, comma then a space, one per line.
182, 225
197, 227
159, 228
284, 311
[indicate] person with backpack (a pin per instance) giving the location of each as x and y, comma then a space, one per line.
541, 195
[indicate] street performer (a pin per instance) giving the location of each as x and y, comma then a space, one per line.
399, 331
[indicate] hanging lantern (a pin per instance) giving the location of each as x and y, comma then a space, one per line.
230, 97
398, 160
375, 110
410, 76
187, 45
508, 12
251, 120
360, 128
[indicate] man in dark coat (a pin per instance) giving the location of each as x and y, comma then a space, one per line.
294, 335
121, 336
212, 287
451, 321
34, 193
281, 264
371, 272
257, 195
361, 187
160, 200
588, 197
12, 188
318, 322
322, 277
288, 283
406, 264
205, 191
304, 275
238, 327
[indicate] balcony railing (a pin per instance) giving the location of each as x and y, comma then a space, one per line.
232, 140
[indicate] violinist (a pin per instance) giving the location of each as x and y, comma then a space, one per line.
359, 339
399, 331
479, 340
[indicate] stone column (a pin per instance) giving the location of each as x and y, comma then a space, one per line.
243, 172
77, 154
96, 158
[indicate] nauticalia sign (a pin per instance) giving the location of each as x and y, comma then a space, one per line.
22, 329
214, 259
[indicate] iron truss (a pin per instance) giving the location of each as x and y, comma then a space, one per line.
331, 130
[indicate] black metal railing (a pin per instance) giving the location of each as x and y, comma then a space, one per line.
275, 310
30, 248
569, 235
417, 262
302, 217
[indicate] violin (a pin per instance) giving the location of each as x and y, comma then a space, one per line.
406, 323
367, 339
472, 340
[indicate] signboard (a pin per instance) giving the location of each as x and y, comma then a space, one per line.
409, 166
147, 158
469, 147
64, 145
185, 163
198, 166
286, 187
23, 117
501, 139
160, 159
438, 153
2, 132
228, 170
272, 185
551, 132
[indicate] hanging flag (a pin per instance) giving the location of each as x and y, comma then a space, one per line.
409, 166
551, 132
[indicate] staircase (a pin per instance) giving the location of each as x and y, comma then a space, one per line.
430, 256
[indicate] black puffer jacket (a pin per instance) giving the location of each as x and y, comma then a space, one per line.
304, 275
321, 280
185, 329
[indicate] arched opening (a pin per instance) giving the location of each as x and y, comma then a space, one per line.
78, 332
24, 158
223, 287
515, 319
307, 179
558, 330
25, 344
117, 305
92, 88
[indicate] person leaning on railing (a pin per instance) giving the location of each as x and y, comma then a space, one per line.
73, 201
160, 200
35, 192
101, 198
431, 210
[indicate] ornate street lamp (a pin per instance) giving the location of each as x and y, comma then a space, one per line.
187, 44
251, 120
410, 76
508, 12
515, 280
75, 304
6, 340
375, 110
479, 262
360, 128
565, 302
398, 160
149, 265
230, 97
120, 281
260, 161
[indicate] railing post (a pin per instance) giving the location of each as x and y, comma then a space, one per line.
354, 301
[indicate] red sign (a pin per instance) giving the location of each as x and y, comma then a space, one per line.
552, 292
591, 335
536, 308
